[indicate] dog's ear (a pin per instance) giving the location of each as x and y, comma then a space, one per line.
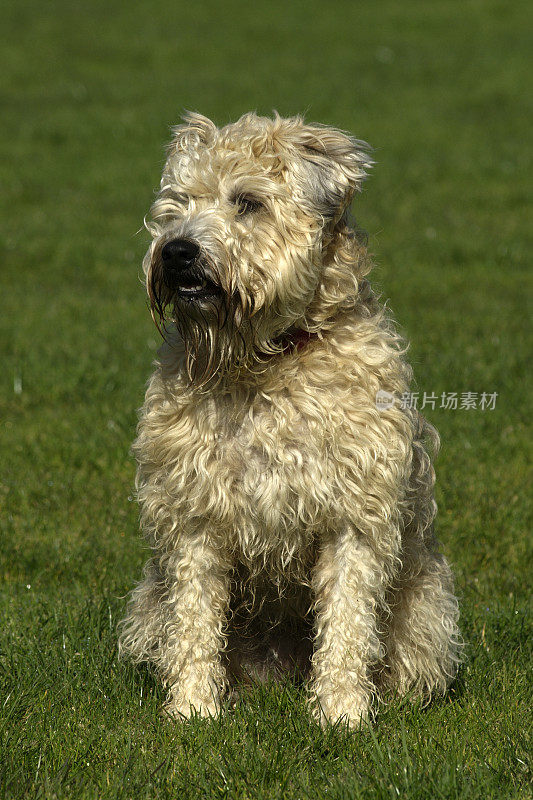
196, 129
335, 162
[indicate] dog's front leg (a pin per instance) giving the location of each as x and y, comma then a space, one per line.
198, 599
349, 587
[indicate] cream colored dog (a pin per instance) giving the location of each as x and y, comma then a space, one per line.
289, 513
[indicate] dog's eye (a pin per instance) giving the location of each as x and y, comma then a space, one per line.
247, 205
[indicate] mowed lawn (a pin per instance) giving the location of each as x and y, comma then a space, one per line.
89, 91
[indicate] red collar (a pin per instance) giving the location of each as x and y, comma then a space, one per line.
294, 340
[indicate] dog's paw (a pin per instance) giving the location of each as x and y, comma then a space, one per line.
181, 710
342, 708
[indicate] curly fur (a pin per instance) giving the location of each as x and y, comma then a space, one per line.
291, 521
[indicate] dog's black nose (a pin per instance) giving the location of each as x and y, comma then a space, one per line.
179, 254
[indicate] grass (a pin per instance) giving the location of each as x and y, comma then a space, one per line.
89, 91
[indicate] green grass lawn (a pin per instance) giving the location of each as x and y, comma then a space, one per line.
89, 91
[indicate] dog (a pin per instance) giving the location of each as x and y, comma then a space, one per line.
288, 508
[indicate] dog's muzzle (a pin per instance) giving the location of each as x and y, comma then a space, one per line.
183, 270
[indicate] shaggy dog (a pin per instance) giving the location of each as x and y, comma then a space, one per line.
284, 486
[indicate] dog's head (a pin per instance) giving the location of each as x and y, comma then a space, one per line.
246, 228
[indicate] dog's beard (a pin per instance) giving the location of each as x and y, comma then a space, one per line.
216, 331
214, 344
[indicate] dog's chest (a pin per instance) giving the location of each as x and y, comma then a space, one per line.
267, 464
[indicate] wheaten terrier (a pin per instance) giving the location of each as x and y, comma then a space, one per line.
289, 511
